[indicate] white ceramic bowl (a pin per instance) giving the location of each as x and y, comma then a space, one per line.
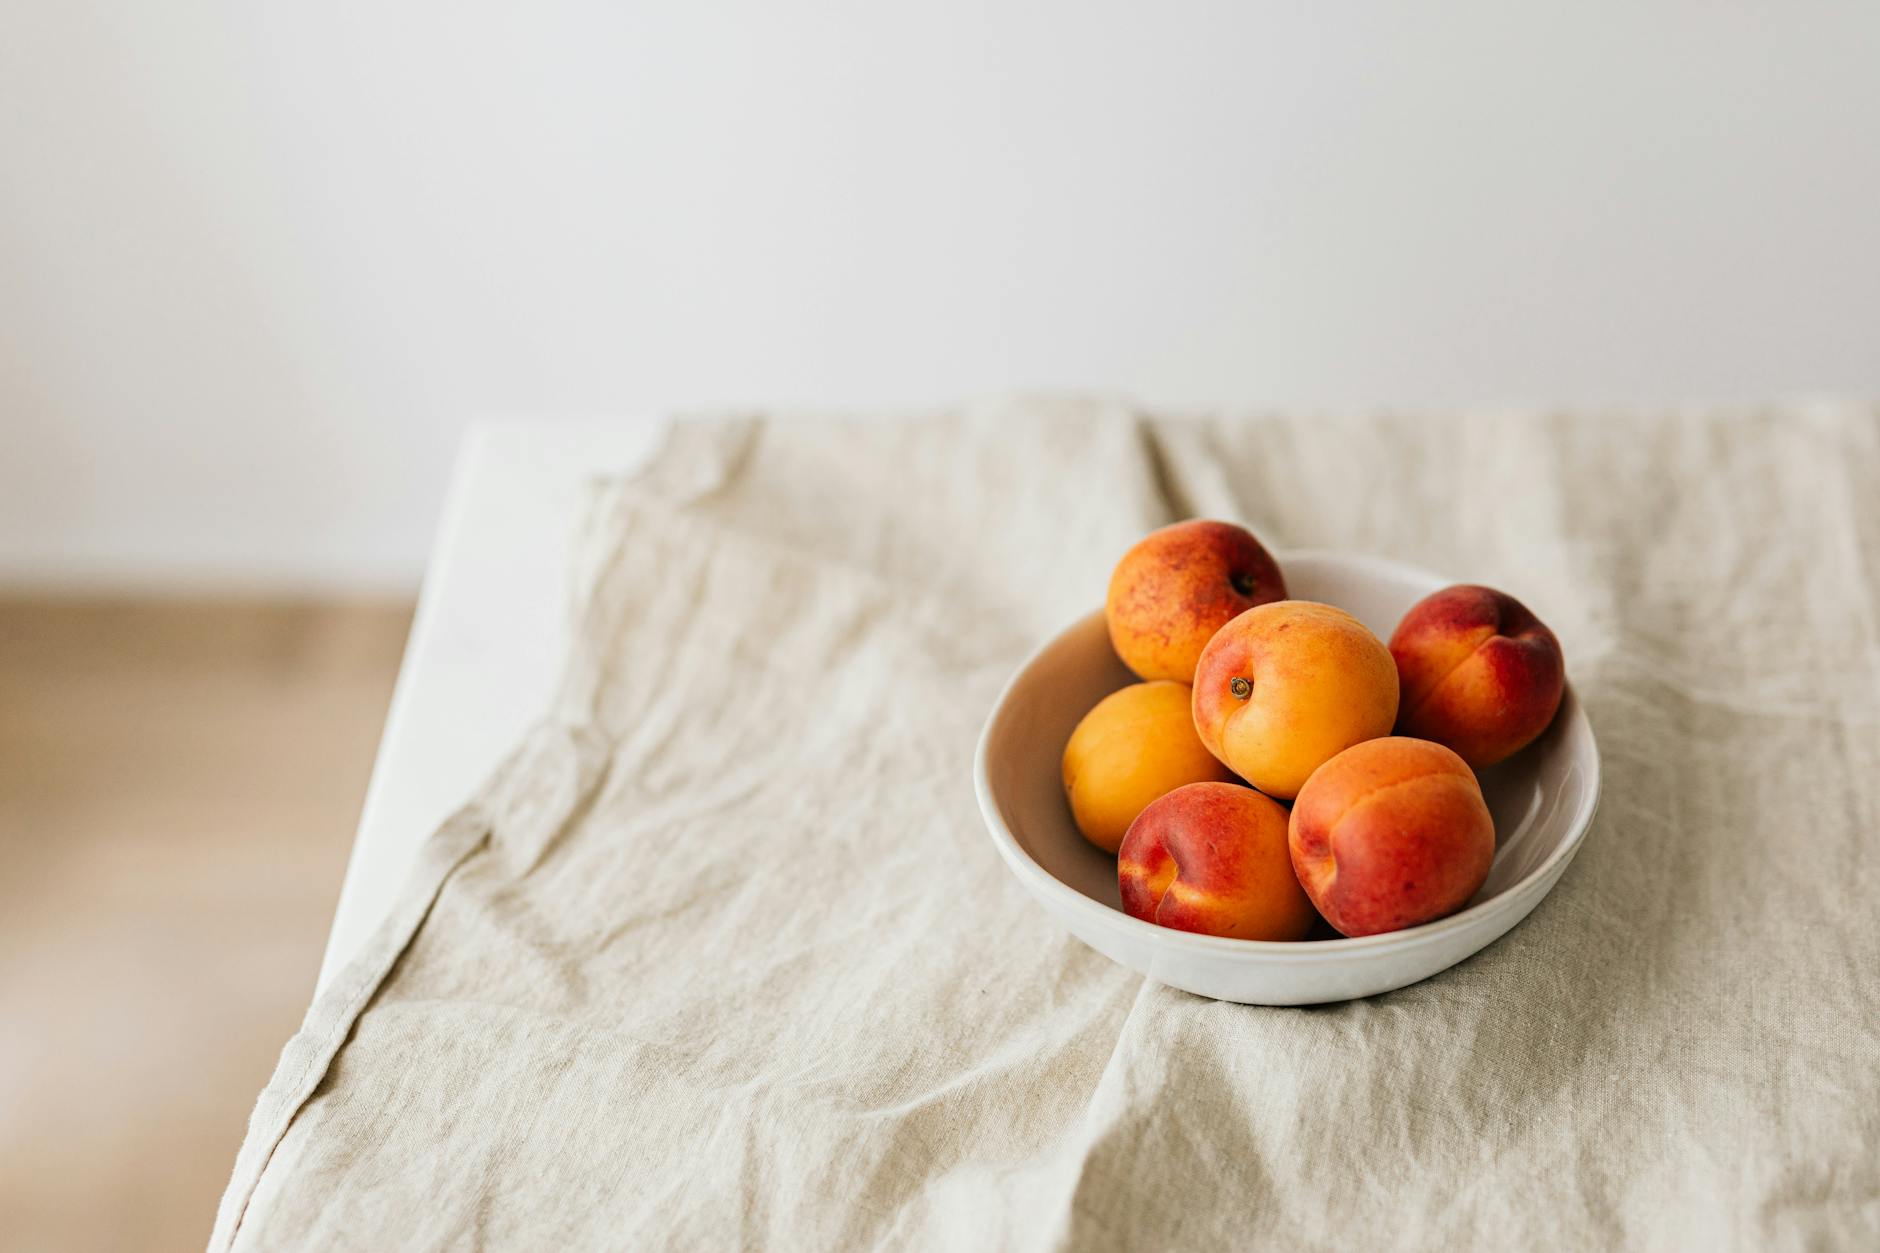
1542, 800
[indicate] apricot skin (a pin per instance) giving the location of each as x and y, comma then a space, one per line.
1212, 858
1286, 686
1391, 833
1137, 744
1478, 672
1177, 586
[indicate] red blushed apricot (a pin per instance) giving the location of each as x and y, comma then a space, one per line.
1477, 671
1177, 586
1391, 833
1212, 858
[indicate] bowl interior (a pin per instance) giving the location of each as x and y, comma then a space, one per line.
1539, 798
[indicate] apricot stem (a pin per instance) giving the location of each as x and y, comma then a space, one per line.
1242, 582
1240, 687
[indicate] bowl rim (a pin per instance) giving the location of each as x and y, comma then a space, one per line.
1483, 913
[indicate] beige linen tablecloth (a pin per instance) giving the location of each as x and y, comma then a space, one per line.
722, 956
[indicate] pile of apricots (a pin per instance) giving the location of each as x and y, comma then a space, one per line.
1278, 763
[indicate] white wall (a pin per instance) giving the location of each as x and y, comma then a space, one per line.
259, 262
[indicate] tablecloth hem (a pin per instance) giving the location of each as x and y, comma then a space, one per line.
330, 1018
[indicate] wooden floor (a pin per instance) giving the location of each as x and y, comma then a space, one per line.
179, 782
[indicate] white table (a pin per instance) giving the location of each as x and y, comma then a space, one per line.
485, 646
